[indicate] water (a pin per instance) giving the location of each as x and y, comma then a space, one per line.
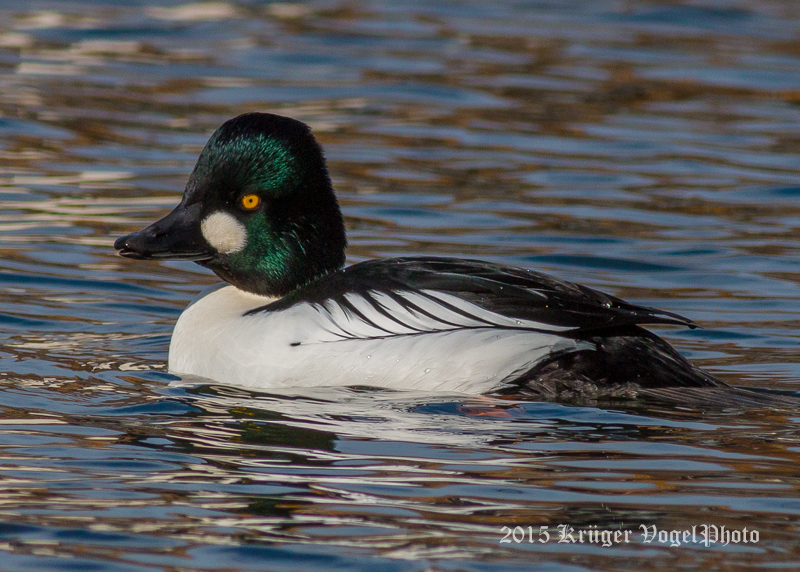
649, 149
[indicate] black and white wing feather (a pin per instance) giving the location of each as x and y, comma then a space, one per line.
404, 296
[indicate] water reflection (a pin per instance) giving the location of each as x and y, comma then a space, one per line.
404, 476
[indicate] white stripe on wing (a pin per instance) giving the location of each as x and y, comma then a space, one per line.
380, 315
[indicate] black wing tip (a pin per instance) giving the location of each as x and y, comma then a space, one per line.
665, 317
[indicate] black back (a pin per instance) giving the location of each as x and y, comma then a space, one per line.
506, 290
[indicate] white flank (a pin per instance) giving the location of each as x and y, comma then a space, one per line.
307, 345
223, 232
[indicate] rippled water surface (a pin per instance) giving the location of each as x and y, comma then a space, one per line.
649, 149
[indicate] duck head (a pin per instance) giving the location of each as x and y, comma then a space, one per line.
258, 210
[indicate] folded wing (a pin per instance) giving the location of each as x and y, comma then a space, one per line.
406, 296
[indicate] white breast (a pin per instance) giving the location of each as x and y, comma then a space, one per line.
309, 345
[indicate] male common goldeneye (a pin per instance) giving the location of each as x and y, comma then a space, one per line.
259, 211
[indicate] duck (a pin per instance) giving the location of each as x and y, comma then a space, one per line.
259, 210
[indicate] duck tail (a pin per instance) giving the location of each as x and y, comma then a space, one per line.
634, 363
623, 362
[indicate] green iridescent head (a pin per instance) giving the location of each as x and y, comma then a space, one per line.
258, 209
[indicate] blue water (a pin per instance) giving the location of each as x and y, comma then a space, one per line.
648, 149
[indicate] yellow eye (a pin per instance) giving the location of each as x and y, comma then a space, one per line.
250, 201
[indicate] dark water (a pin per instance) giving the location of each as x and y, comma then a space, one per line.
649, 149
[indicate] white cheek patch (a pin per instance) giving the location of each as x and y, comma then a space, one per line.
223, 232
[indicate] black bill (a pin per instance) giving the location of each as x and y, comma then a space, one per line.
177, 236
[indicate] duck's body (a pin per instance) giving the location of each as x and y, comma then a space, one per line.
227, 335
435, 324
260, 212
